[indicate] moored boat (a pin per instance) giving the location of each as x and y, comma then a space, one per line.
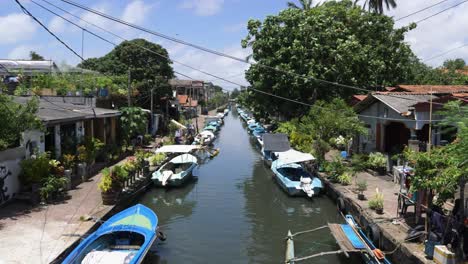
292, 177
125, 238
205, 138
175, 172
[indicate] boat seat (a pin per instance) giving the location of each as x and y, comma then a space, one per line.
125, 247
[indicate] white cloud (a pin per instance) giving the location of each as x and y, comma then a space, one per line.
135, 12
22, 51
57, 25
436, 34
219, 66
203, 7
235, 28
16, 27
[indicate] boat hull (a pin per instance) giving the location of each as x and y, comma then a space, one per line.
177, 182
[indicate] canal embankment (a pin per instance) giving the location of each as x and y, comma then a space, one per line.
391, 228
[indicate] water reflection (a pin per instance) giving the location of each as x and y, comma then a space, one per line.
236, 213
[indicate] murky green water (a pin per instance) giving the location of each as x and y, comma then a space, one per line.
235, 212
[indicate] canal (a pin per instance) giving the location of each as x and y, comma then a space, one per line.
235, 213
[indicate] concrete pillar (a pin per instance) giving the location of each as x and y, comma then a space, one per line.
413, 142
58, 141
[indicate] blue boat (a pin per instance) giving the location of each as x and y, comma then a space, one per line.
254, 126
125, 238
292, 177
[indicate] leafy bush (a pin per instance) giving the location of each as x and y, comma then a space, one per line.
133, 122
345, 178
52, 185
377, 160
82, 154
335, 168
377, 202
359, 162
35, 169
157, 159
93, 146
68, 161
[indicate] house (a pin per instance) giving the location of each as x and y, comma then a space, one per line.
67, 121
401, 116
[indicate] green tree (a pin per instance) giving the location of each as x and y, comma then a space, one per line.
324, 121
235, 93
456, 64
328, 42
133, 122
35, 56
16, 118
377, 6
303, 4
147, 69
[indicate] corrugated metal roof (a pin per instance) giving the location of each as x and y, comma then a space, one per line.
402, 102
28, 66
435, 88
276, 142
56, 112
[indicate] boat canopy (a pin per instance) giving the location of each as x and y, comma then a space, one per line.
177, 148
207, 133
178, 124
184, 158
276, 142
292, 156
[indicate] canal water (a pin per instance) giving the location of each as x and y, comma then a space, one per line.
235, 213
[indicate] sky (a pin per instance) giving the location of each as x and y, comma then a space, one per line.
216, 24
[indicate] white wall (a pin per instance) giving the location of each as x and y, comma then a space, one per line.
31, 140
9, 172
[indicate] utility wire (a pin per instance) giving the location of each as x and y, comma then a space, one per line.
50, 32
445, 52
218, 54
440, 12
421, 10
210, 74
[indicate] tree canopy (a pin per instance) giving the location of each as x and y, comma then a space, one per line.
16, 118
456, 64
147, 69
35, 56
336, 42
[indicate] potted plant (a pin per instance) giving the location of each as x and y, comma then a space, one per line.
68, 164
81, 166
130, 166
361, 187
156, 160
378, 162
110, 186
335, 169
377, 202
34, 171
345, 178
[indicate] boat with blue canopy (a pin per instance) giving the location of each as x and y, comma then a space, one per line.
292, 177
254, 126
272, 143
123, 239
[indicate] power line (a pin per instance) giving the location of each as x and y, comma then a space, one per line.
440, 12
421, 10
210, 74
445, 52
50, 32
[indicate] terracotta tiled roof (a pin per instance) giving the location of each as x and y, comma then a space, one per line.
360, 97
436, 89
460, 95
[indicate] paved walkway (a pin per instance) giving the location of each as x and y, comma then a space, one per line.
396, 230
39, 234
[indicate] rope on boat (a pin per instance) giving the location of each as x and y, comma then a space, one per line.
308, 231
315, 255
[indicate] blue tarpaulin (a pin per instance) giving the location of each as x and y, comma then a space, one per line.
353, 238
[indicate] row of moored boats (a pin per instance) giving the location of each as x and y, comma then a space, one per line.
287, 164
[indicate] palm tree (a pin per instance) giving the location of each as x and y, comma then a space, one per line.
303, 4
377, 6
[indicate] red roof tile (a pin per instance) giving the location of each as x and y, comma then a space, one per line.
436, 89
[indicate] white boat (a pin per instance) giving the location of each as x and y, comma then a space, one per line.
179, 169
175, 172
204, 138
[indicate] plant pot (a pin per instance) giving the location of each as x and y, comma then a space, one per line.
67, 174
361, 196
82, 172
109, 198
379, 211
